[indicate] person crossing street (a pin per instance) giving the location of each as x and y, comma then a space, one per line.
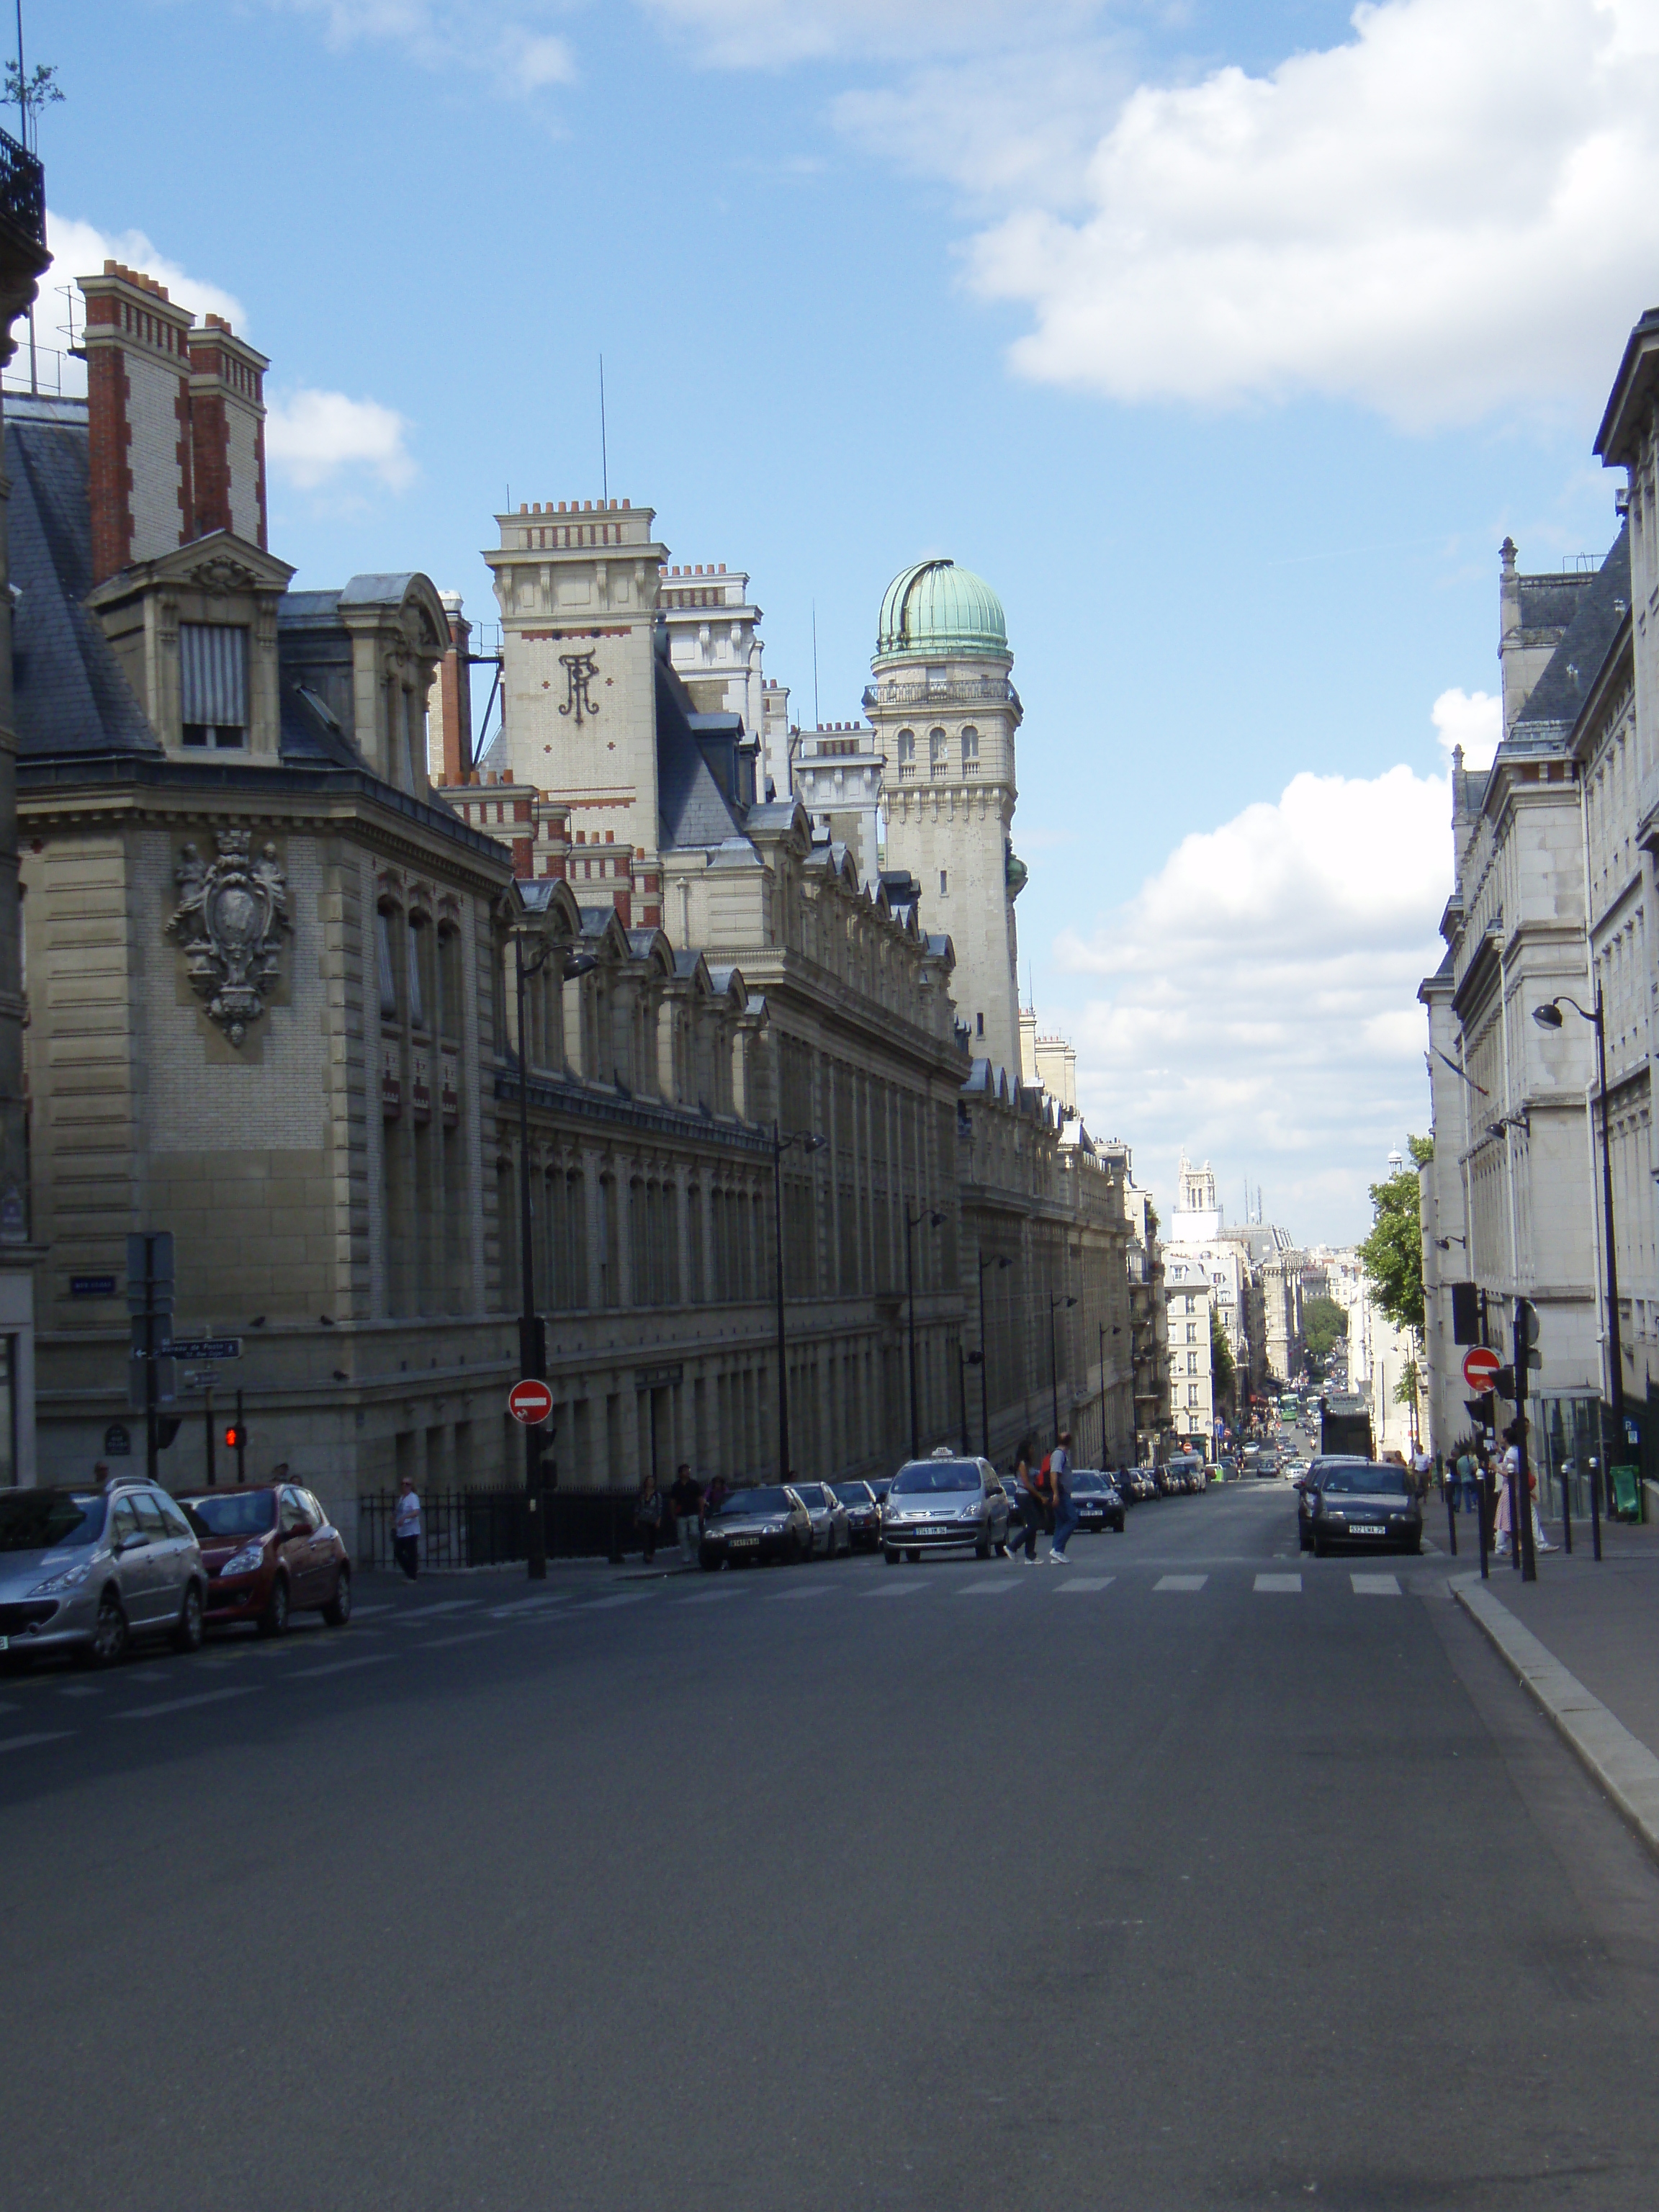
1060, 1484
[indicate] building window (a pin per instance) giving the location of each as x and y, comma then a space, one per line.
906, 757
388, 973
943, 882
936, 751
1192, 1393
979, 1025
213, 684
969, 745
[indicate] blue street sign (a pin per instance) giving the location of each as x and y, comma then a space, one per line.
206, 1348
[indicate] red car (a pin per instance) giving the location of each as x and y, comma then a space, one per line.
270, 1551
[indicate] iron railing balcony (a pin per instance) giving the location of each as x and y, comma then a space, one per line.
22, 190
954, 691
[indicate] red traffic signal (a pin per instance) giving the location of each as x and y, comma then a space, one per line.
236, 1436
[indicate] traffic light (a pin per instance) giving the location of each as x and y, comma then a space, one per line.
167, 1428
1505, 1384
236, 1436
1466, 1313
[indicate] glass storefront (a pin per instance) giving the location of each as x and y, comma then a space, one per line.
1564, 1435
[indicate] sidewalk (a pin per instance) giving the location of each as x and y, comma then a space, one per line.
1584, 1641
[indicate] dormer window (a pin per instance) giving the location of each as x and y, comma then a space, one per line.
213, 684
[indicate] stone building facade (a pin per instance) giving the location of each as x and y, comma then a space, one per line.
1188, 1293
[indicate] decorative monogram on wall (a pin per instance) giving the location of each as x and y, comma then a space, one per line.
222, 574
580, 669
231, 919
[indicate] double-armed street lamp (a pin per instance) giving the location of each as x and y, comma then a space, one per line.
1055, 1305
1548, 1016
911, 1223
781, 1141
532, 1343
999, 1260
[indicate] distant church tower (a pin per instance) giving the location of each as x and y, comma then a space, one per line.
946, 714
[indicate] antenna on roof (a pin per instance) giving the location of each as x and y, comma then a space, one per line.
604, 457
817, 719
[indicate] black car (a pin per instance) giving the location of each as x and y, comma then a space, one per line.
1364, 1504
863, 1510
753, 1525
1306, 1485
1096, 1497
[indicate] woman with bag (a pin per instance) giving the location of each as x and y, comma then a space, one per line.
1029, 1504
647, 1515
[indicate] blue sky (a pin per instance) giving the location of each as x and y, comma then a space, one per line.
1227, 343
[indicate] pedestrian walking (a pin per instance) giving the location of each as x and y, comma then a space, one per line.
1059, 1483
406, 1528
685, 1498
647, 1515
1028, 1504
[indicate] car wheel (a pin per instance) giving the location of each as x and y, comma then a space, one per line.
189, 1628
983, 1549
337, 1612
109, 1634
914, 1557
709, 1563
889, 1555
273, 1621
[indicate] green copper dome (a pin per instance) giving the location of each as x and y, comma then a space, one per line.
935, 609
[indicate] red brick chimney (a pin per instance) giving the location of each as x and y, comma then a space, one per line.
449, 706
138, 413
228, 424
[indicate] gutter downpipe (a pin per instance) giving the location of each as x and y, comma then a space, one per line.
1603, 1326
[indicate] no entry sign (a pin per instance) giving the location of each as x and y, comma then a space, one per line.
1480, 1366
530, 1402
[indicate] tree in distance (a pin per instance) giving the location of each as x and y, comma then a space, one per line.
1221, 1358
1324, 1324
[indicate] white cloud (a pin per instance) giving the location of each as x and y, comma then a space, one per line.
1454, 210
511, 41
314, 438
1257, 999
1472, 719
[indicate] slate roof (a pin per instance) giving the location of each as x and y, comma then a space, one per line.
1558, 696
69, 695
691, 807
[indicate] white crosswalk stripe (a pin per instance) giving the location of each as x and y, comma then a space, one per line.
1085, 1583
1181, 1582
23, 1742
986, 1589
179, 1705
1375, 1585
1282, 1585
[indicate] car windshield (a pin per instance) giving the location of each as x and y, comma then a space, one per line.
742, 1503
851, 1493
232, 1512
1364, 1481
45, 1519
811, 1495
1085, 1481
923, 1475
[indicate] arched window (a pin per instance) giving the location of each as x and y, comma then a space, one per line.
388, 970
970, 750
938, 745
907, 753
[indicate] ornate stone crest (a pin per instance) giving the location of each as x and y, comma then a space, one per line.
221, 575
231, 919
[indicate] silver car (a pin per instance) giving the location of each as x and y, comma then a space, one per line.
939, 1502
85, 1570
828, 1515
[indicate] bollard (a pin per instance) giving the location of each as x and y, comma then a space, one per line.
1451, 1516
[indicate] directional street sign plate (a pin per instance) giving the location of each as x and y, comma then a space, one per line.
530, 1402
1480, 1366
207, 1348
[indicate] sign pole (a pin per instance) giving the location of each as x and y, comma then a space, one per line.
151, 1441
212, 1441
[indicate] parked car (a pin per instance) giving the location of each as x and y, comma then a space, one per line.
1363, 1503
85, 1571
879, 1486
827, 1515
1099, 1504
752, 1525
1306, 1487
270, 1551
937, 1504
863, 1510
1188, 1472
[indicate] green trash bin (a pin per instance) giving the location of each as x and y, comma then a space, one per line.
1627, 1492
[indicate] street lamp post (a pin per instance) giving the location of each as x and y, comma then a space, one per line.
781, 1140
911, 1223
533, 1342
1055, 1305
1548, 1016
999, 1260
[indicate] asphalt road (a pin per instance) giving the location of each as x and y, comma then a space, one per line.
954, 1885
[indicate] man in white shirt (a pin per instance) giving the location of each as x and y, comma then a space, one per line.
1066, 1513
406, 1528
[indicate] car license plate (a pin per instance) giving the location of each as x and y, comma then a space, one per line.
934, 1529
1366, 1528
736, 1540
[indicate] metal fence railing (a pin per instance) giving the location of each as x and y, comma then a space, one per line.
486, 1527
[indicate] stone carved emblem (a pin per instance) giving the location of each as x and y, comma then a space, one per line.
231, 919
222, 574
580, 669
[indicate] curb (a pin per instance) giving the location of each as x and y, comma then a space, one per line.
1620, 1762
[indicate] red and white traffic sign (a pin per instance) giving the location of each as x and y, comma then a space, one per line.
530, 1402
1480, 1365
